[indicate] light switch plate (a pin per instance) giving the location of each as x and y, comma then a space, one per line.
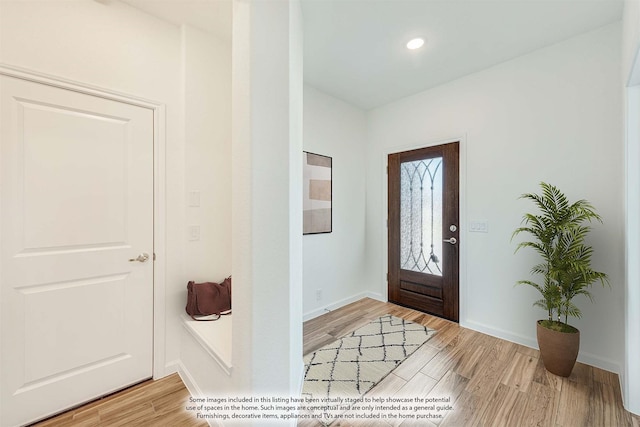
479, 227
194, 233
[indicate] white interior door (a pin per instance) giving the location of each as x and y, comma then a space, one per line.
76, 186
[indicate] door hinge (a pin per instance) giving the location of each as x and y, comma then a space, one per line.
154, 256
387, 170
387, 277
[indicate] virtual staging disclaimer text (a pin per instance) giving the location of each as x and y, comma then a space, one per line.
278, 408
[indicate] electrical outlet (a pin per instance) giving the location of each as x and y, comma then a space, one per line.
318, 294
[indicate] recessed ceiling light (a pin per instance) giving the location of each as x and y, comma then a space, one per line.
415, 43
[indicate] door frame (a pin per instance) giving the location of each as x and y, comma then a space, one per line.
159, 190
462, 280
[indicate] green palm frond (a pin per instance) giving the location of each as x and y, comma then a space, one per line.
530, 283
558, 232
540, 269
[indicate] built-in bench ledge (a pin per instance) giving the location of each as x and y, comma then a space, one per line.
215, 338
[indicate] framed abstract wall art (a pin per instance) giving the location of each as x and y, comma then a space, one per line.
317, 194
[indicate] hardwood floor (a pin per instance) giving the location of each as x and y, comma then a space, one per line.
491, 382
151, 403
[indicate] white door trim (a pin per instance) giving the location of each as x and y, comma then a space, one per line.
159, 191
630, 377
462, 193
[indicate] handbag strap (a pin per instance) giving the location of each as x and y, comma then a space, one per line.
226, 313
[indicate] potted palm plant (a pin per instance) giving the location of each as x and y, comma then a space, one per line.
558, 233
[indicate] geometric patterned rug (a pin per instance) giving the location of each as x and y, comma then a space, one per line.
352, 365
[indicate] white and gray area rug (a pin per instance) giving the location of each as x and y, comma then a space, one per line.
352, 365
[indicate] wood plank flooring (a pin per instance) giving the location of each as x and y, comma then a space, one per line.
151, 403
491, 382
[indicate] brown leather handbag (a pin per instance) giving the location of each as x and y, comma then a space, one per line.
209, 298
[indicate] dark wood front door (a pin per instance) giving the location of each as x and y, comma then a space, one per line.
424, 229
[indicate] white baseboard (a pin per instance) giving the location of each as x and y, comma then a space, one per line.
583, 357
500, 333
192, 386
188, 380
341, 303
599, 362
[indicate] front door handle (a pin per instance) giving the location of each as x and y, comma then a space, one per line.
143, 257
452, 240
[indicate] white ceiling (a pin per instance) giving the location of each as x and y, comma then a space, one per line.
355, 49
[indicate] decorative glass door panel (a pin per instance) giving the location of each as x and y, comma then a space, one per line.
421, 216
424, 230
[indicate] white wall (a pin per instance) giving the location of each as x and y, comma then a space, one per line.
264, 161
553, 115
206, 84
116, 47
266, 158
296, 136
631, 375
207, 118
334, 262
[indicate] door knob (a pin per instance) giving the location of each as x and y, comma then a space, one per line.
143, 257
452, 240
